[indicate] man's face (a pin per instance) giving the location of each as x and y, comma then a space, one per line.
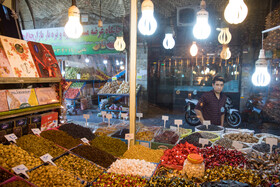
218, 86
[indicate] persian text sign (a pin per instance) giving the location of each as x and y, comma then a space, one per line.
94, 40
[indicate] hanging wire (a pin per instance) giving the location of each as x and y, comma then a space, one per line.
100, 9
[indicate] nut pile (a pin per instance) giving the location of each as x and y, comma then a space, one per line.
111, 145
39, 146
242, 137
79, 167
133, 167
227, 143
60, 138
110, 87
145, 135
11, 156
104, 131
95, 155
210, 128
143, 153
52, 176
113, 179
77, 131
168, 136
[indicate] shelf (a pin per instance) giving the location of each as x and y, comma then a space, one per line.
29, 110
113, 110
113, 94
81, 80
17, 80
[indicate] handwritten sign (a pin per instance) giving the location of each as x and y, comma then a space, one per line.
103, 113
145, 144
165, 118
21, 169
84, 140
36, 131
238, 146
11, 137
86, 116
178, 122
139, 115
206, 123
47, 158
109, 116
114, 78
203, 141
129, 137
271, 142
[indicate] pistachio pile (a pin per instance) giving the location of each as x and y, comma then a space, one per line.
242, 137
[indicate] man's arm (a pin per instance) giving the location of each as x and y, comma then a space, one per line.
222, 119
199, 115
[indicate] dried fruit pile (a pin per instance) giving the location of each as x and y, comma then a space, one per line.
168, 136
174, 181
113, 179
77, 131
194, 138
4, 175
120, 133
242, 137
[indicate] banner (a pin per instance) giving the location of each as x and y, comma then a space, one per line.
94, 40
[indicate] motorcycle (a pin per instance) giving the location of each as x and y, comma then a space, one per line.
254, 112
232, 115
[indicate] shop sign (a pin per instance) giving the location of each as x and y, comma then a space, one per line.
94, 40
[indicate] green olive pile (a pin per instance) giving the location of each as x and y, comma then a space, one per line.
39, 146
79, 167
11, 156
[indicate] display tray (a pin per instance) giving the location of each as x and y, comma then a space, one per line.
14, 180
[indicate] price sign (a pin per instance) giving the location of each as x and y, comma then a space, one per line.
47, 158
86, 116
109, 116
165, 118
21, 169
206, 123
139, 115
36, 131
145, 144
203, 141
114, 78
139, 76
178, 122
11, 137
271, 142
129, 137
78, 76
103, 113
237, 145
124, 116
84, 140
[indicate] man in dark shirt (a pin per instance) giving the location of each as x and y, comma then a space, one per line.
211, 105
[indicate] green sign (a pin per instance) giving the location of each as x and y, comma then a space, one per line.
94, 40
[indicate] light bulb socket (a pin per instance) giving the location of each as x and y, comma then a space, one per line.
147, 5
261, 62
203, 4
100, 23
168, 30
73, 11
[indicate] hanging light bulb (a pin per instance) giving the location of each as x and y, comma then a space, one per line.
194, 49
119, 44
147, 24
261, 76
168, 42
105, 62
202, 29
73, 27
225, 53
100, 23
224, 36
236, 11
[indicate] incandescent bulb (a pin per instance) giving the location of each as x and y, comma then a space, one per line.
194, 49
261, 77
168, 42
105, 62
202, 29
236, 11
224, 36
147, 24
119, 44
225, 53
73, 27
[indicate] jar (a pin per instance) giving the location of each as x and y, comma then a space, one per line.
194, 166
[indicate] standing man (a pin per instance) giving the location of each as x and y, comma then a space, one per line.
211, 105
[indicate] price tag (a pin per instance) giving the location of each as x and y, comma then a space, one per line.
124, 116
139, 76
47, 158
238, 146
165, 118
114, 78
139, 115
21, 169
129, 137
203, 141
103, 113
109, 116
11, 137
178, 122
86, 116
145, 144
271, 142
84, 140
78, 76
36, 131
206, 123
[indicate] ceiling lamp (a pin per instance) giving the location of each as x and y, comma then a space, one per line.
261, 76
194, 49
236, 11
147, 24
224, 37
202, 29
225, 53
100, 23
168, 42
119, 44
73, 27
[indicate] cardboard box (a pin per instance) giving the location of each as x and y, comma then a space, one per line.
19, 56
44, 58
46, 95
23, 124
5, 67
49, 120
21, 98
3, 100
